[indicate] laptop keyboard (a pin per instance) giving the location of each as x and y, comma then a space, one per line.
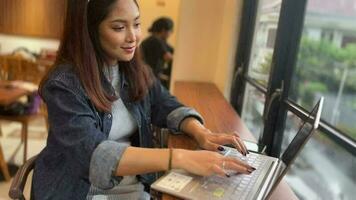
237, 186
245, 182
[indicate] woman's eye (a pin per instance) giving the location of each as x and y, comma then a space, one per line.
119, 28
137, 24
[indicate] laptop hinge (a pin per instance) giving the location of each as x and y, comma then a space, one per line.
269, 180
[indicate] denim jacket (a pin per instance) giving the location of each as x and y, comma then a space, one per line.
66, 167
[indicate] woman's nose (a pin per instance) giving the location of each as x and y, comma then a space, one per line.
130, 37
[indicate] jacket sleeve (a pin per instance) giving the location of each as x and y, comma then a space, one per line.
166, 111
75, 131
104, 162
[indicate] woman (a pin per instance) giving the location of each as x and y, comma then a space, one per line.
101, 101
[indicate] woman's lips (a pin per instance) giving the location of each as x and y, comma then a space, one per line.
129, 49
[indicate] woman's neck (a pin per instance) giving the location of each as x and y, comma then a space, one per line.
111, 64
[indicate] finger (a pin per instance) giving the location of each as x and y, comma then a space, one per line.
223, 139
220, 138
238, 168
240, 141
241, 144
238, 146
219, 171
231, 139
240, 163
237, 134
213, 147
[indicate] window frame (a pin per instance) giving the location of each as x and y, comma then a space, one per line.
287, 42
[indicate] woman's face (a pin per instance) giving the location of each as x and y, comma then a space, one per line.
120, 32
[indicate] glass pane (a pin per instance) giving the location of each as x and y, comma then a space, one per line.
264, 38
323, 169
252, 112
326, 62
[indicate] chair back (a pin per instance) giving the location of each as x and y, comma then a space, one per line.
19, 181
32, 72
14, 67
3, 68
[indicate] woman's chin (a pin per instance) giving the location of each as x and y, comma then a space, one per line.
126, 58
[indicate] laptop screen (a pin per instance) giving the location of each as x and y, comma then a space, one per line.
304, 133
308, 126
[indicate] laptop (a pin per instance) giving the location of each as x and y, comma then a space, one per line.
258, 185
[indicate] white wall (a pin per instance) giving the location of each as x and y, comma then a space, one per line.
228, 46
197, 40
152, 9
206, 42
8, 43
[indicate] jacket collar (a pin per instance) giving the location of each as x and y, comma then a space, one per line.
124, 82
108, 87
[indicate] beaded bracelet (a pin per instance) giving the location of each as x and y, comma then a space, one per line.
170, 159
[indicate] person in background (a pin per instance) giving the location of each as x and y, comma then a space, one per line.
156, 51
101, 101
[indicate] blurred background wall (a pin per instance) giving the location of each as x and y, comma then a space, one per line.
206, 41
204, 37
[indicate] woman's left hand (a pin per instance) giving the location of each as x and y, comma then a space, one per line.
213, 141
209, 140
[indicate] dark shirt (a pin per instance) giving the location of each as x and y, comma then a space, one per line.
153, 50
77, 130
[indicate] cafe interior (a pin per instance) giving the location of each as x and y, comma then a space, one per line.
217, 46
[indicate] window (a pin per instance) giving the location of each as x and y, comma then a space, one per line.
263, 42
260, 64
271, 37
253, 110
323, 170
284, 64
325, 68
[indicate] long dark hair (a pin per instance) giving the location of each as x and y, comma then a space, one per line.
80, 46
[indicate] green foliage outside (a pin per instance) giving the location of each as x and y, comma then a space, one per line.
319, 69
322, 62
265, 67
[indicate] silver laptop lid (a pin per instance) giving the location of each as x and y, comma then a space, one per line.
304, 133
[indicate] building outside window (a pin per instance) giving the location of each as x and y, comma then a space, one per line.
325, 66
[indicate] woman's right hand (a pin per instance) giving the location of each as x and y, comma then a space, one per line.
206, 163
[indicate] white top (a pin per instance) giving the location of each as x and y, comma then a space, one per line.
123, 123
